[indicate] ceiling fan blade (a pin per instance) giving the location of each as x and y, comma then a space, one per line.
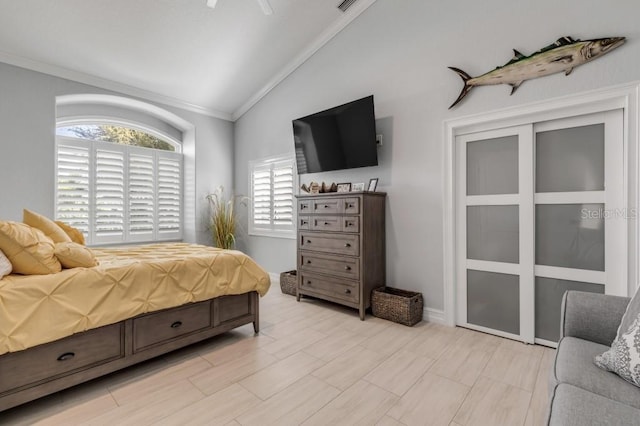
212, 3
266, 7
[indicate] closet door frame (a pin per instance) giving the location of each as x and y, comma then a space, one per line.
625, 97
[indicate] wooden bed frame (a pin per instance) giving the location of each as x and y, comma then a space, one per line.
41, 370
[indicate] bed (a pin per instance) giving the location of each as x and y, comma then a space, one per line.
62, 329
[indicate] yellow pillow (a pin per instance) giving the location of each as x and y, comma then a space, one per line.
28, 249
46, 225
74, 255
75, 234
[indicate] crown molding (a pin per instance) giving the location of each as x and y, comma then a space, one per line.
353, 12
103, 83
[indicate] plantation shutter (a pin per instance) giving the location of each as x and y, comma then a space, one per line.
169, 195
283, 194
261, 198
272, 197
72, 184
118, 193
109, 194
142, 191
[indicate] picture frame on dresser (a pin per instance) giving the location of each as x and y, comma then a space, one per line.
344, 187
373, 184
357, 187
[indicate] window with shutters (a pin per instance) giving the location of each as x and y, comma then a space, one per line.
118, 184
272, 211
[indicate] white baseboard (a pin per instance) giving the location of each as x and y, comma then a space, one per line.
434, 315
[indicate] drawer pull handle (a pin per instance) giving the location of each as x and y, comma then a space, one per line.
66, 356
304, 222
326, 223
308, 261
308, 241
347, 291
347, 245
349, 206
309, 282
303, 206
347, 268
176, 324
326, 206
349, 224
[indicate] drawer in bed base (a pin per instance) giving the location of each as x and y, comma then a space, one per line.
163, 326
62, 357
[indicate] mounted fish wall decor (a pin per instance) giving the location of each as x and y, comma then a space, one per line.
562, 56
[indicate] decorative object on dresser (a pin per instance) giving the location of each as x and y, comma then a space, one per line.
289, 282
401, 306
341, 247
373, 184
357, 187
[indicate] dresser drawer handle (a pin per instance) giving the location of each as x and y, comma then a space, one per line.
326, 206
349, 223
347, 268
303, 206
349, 206
308, 261
66, 356
176, 324
308, 282
347, 245
326, 223
304, 222
347, 291
308, 241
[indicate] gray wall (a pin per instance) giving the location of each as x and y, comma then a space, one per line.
399, 52
27, 132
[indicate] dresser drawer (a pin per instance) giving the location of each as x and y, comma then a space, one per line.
166, 325
347, 267
332, 287
304, 206
329, 243
61, 357
326, 223
328, 206
351, 206
351, 223
304, 222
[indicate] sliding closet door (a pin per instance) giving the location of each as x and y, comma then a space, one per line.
580, 240
539, 210
495, 238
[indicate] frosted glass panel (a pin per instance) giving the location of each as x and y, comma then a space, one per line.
493, 300
570, 159
492, 233
492, 166
549, 294
570, 236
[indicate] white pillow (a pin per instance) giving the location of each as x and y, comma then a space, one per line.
5, 265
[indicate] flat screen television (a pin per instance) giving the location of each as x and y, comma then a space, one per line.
343, 137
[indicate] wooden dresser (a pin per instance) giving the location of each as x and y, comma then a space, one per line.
341, 247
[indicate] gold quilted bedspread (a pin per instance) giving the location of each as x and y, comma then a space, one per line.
129, 281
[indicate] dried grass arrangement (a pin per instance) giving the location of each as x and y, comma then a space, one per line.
223, 218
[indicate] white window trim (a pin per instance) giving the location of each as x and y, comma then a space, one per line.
268, 162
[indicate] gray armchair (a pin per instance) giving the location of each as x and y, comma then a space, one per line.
580, 392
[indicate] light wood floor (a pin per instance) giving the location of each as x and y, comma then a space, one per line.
316, 363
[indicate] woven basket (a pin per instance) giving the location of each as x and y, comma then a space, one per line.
401, 306
289, 282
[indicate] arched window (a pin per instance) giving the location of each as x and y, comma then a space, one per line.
117, 180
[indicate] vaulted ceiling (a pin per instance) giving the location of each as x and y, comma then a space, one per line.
218, 61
